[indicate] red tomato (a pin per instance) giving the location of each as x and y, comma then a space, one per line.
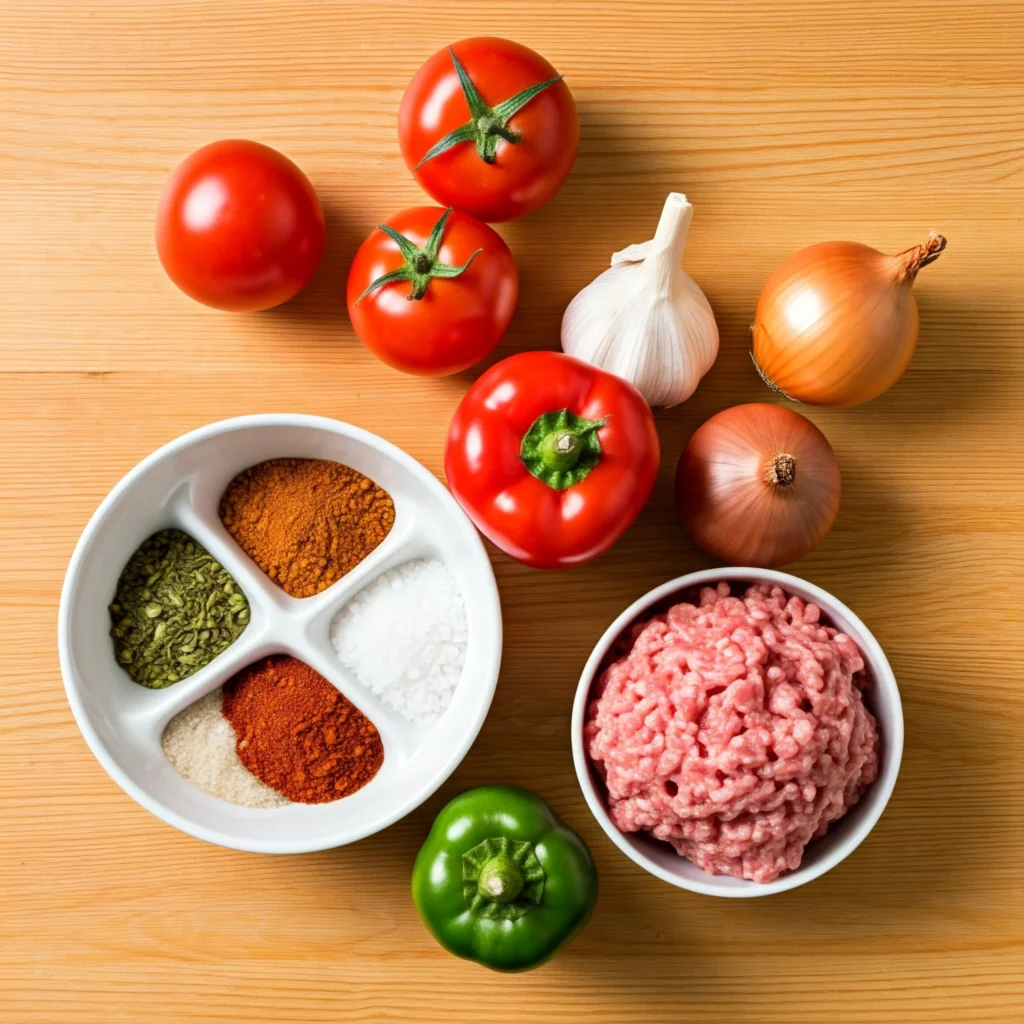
513, 151
239, 226
432, 291
551, 458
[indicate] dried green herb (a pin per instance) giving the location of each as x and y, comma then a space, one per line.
176, 608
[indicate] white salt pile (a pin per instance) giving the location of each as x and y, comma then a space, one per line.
403, 637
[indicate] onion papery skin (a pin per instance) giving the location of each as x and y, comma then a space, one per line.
725, 498
837, 323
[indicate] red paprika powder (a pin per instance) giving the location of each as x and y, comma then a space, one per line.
296, 733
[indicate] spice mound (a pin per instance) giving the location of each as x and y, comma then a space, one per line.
297, 734
306, 522
403, 637
199, 743
175, 609
735, 729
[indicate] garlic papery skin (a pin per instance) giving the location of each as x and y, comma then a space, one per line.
644, 319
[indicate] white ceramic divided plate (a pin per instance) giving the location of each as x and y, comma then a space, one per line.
843, 837
180, 486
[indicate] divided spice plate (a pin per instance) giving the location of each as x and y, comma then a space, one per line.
180, 486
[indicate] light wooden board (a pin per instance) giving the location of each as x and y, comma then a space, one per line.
786, 123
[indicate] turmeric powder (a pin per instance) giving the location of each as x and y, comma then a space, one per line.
306, 522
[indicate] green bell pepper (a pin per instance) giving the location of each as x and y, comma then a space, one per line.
501, 880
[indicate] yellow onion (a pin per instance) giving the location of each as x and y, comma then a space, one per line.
758, 485
836, 323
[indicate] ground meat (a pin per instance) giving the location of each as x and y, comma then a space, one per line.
735, 730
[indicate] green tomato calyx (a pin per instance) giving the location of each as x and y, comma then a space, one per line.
486, 124
421, 265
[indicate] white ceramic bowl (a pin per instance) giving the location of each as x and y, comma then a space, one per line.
883, 697
180, 486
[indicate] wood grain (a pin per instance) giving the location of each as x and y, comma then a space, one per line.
785, 123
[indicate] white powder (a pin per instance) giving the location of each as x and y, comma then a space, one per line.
403, 637
199, 742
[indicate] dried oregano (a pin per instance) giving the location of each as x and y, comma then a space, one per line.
176, 608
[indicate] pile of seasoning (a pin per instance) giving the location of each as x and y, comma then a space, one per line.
176, 608
278, 732
298, 734
403, 637
306, 522
200, 744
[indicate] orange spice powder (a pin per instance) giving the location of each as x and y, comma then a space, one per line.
306, 522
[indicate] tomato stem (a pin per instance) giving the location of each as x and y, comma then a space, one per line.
421, 265
486, 124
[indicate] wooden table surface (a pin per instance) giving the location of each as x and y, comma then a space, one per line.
786, 124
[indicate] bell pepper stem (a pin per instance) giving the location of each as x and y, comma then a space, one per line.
501, 879
560, 451
561, 448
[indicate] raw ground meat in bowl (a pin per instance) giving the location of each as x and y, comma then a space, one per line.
730, 721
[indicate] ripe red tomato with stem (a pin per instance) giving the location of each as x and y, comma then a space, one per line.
488, 126
239, 226
551, 457
432, 291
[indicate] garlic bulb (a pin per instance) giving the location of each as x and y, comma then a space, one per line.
644, 319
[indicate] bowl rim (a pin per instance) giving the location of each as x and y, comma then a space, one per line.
72, 686
881, 789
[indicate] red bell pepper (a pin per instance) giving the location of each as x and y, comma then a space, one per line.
551, 458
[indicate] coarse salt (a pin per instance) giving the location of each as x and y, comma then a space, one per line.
199, 743
403, 637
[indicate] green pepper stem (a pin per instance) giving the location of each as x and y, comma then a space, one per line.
501, 879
